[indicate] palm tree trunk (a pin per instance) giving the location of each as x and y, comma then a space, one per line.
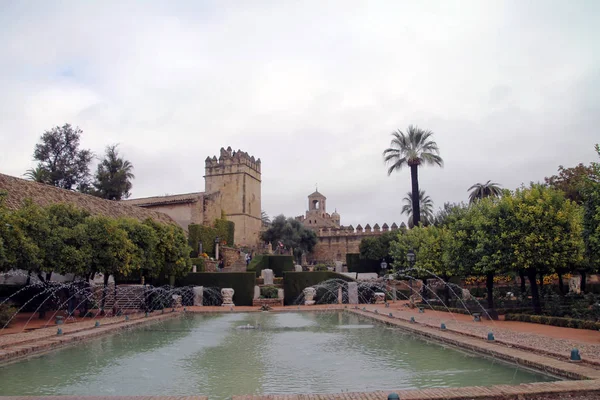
416, 206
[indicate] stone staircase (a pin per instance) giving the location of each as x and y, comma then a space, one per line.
128, 297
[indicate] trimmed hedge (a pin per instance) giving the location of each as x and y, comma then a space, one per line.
362, 265
225, 231
199, 263
295, 282
555, 321
199, 233
278, 263
241, 282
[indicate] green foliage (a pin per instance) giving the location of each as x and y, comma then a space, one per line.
425, 207
543, 229
591, 220
173, 251
292, 234
377, 247
412, 149
295, 282
113, 177
199, 263
223, 229
63, 164
241, 282
278, 263
320, 267
356, 263
555, 321
573, 181
145, 239
258, 263
64, 239
6, 313
112, 249
482, 190
269, 292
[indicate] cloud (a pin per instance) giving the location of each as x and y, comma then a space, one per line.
313, 88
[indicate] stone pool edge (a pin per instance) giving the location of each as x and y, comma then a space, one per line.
541, 363
35, 347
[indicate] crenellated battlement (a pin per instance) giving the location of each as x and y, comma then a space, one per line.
230, 158
359, 230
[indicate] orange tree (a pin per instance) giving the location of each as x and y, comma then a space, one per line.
543, 230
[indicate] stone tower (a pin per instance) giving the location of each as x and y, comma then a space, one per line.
316, 203
316, 216
233, 184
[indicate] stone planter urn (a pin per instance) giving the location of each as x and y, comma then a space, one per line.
309, 295
227, 294
379, 298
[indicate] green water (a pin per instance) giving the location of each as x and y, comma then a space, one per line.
291, 353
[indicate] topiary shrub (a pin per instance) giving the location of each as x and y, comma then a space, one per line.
278, 263
295, 282
241, 282
269, 292
320, 267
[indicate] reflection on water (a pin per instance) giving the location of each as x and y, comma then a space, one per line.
290, 353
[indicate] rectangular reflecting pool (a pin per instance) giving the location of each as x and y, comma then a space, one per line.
288, 353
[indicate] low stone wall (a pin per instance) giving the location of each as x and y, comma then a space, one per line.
39, 345
267, 302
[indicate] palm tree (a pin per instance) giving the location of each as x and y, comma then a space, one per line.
264, 217
482, 190
114, 176
426, 208
37, 174
413, 149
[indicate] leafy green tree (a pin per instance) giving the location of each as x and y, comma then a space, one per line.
413, 149
113, 177
482, 190
573, 181
111, 249
425, 205
66, 249
493, 255
292, 234
591, 221
59, 156
145, 240
544, 230
434, 255
377, 247
31, 236
172, 253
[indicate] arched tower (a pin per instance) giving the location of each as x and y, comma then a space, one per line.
316, 203
316, 216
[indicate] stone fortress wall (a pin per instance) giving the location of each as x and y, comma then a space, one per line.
335, 240
232, 186
334, 244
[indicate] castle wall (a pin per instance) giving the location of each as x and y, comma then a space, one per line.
334, 244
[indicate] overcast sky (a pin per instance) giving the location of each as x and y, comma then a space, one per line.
312, 88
